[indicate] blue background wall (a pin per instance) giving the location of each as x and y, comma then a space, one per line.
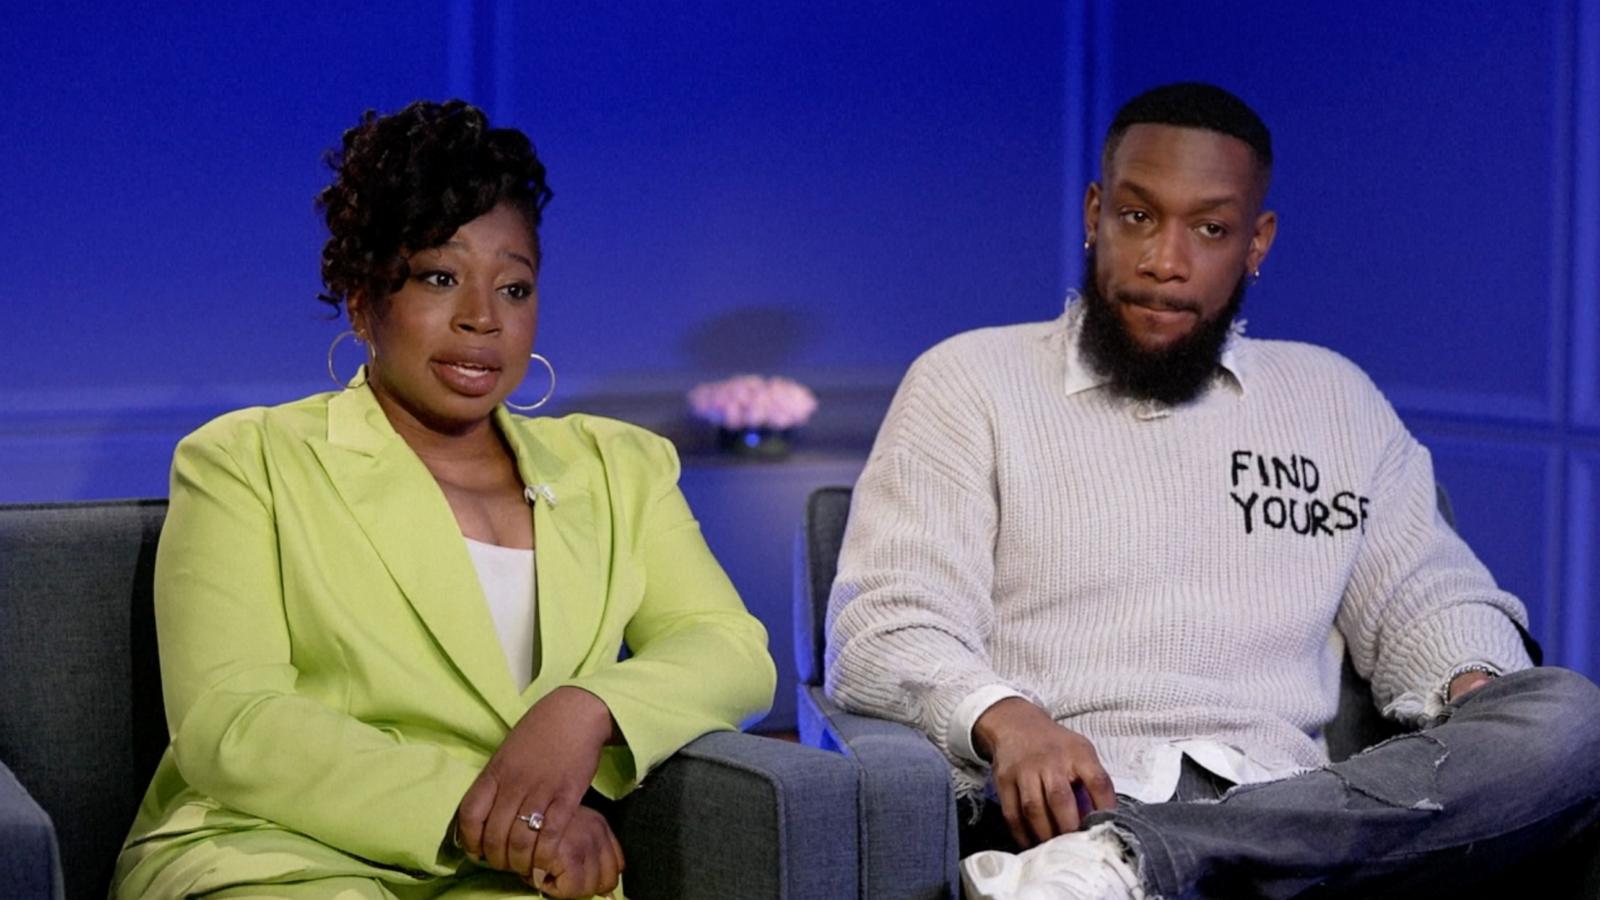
822, 189
817, 188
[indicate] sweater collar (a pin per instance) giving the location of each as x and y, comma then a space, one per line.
1080, 376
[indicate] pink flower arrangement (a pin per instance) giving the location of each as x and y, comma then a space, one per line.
751, 401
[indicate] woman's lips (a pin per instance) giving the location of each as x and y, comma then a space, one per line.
471, 379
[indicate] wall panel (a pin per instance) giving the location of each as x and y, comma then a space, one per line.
823, 190
100, 463
750, 513
159, 167
816, 188
1580, 626
1586, 221
1422, 205
1508, 503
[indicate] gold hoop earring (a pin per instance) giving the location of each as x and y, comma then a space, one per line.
550, 392
334, 346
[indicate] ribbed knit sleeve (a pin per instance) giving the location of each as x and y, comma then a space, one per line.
1419, 603
912, 606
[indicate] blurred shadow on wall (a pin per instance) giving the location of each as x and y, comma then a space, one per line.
759, 340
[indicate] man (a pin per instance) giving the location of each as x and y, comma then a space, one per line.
1111, 564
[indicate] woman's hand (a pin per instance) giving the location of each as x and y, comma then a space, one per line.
541, 770
587, 862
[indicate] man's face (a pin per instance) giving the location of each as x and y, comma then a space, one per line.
1175, 227
1173, 374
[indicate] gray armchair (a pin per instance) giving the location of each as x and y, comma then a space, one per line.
82, 727
905, 803
910, 833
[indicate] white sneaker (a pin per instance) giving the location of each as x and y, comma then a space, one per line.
1084, 865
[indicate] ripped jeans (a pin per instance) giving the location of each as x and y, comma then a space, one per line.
1502, 776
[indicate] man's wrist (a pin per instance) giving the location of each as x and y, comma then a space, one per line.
1468, 681
959, 732
1467, 677
997, 720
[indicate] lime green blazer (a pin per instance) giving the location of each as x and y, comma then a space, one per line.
333, 679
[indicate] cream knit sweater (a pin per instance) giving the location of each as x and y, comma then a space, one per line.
1146, 574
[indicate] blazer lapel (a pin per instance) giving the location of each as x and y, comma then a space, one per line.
570, 550
405, 517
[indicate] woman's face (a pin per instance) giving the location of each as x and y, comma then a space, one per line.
453, 342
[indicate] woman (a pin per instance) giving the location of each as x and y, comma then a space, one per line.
372, 690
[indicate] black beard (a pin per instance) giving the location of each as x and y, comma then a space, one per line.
1172, 375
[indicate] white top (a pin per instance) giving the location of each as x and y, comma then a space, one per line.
1162, 580
507, 576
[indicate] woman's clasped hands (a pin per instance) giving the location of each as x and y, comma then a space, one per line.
524, 814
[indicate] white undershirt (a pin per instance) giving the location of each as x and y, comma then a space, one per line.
507, 576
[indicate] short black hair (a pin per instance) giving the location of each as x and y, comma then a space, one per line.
407, 181
1192, 104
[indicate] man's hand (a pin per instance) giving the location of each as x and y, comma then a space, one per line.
588, 862
1467, 682
1039, 770
542, 769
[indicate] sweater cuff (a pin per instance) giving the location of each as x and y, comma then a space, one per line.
1476, 665
958, 736
1425, 708
1454, 640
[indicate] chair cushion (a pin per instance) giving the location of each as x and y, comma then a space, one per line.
81, 722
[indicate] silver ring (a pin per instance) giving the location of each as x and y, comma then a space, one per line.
534, 820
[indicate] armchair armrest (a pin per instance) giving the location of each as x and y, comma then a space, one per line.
735, 815
909, 842
30, 863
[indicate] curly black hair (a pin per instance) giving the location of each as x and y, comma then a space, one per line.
405, 182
